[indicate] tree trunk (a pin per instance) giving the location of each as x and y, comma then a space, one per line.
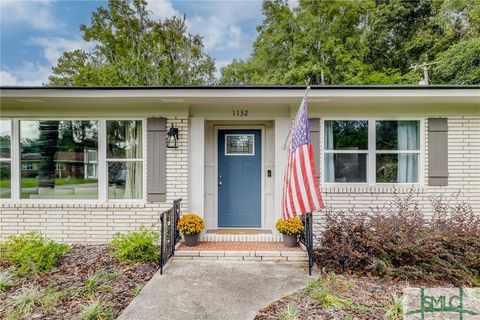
48, 147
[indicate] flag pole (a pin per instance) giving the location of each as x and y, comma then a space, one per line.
307, 90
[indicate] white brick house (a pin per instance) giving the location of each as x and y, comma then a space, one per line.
230, 156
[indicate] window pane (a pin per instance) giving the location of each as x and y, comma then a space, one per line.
124, 139
5, 137
398, 135
54, 159
346, 135
345, 167
397, 168
5, 176
239, 144
125, 180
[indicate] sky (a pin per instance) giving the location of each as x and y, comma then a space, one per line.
35, 33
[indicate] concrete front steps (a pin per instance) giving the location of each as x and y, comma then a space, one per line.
241, 251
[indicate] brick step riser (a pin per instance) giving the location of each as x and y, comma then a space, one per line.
299, 260
285, 256
240, 238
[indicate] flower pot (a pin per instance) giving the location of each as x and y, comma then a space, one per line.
191, 240
289, 241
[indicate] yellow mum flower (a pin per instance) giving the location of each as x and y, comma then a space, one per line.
290, 227
190, 224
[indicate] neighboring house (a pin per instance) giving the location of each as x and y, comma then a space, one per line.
68, 165
231, 152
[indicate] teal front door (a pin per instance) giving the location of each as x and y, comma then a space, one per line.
239, 178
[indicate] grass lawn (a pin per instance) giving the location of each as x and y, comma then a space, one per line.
33, 182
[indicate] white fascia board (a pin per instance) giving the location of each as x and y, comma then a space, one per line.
240, 93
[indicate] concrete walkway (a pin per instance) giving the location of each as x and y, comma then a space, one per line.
214, 290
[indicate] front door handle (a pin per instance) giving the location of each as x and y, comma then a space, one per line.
220, 183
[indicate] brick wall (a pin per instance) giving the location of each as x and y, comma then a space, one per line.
99, 222
96, 223
464, 176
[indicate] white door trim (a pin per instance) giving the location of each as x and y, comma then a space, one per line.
262, 171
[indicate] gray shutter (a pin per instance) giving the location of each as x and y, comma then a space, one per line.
314, 124
156, 159
437, 152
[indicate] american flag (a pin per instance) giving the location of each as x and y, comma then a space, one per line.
301, 193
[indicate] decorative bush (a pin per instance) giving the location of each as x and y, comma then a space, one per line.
190, 224
400, 242
137, 246
30, 252
290, 227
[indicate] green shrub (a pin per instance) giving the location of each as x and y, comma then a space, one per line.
137, 246
30, 252
400, 242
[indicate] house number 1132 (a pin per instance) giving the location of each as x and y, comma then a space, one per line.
240, 112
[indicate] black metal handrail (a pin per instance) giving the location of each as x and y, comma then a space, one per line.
169, 234
307, 239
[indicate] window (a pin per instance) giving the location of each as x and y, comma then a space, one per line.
59, 166
67, 159
91, 163
124, 159
239, 144
27, 166
371, 151
397, 151
52, 155
5, 158
346, 151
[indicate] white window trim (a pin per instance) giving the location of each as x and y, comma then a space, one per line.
9, 159
102, 163
106, 160
372, 152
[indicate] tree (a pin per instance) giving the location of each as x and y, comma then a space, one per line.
460, 64
330, 44
318, 42
48, 140
132, 49
362, 42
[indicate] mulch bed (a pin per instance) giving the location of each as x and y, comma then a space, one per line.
369, 299
74, 268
